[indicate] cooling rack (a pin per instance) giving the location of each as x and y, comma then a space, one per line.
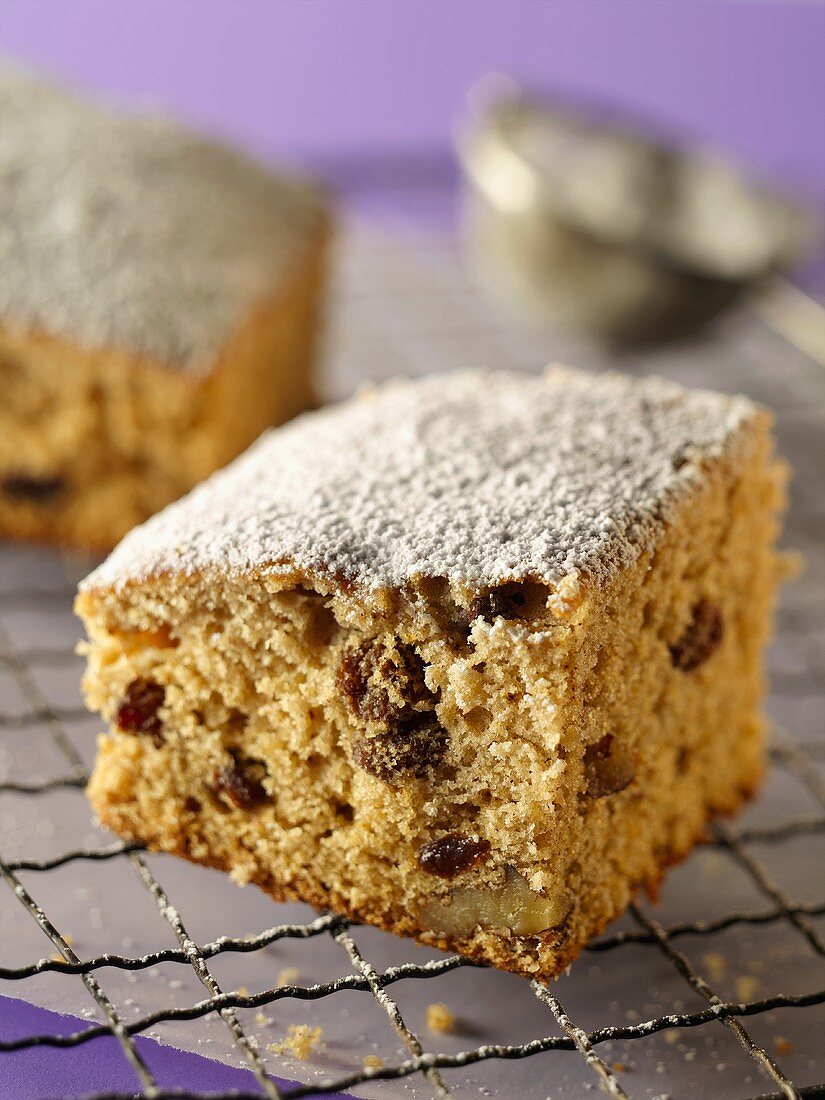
719, 990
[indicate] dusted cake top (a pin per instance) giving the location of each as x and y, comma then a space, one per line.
481, 477
130, 231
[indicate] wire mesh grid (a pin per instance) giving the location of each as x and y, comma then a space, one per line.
402, 305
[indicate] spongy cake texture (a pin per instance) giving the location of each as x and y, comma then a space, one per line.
469, 658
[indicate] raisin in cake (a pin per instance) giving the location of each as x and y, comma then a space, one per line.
159, 300
468, 658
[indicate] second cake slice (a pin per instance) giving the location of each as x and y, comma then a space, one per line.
160, 303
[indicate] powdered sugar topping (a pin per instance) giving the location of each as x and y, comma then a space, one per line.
480, 477
130, 231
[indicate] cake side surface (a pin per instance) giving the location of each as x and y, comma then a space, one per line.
489, 767
477, 477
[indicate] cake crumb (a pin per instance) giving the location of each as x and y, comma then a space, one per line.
440, 1018
746, 986
58, 955
289, 975
716, 965
301, 1040
372, 1061
783, 1045
714, 864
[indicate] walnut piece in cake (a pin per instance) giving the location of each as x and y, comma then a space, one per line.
470, 658
159, 305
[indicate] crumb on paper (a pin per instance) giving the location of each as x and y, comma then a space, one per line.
791, 564
58, 956
289, 975
746, 986
714, 864
301, 1040
716, 965
372, 1061
783, 1045
440, 1018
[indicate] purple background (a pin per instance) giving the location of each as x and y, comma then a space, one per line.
43, 1073
328, 79
100, 1066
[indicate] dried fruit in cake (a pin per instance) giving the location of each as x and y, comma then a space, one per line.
242, 782
701, 639
452, 854
138, 711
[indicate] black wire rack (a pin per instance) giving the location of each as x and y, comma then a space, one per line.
25, 663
